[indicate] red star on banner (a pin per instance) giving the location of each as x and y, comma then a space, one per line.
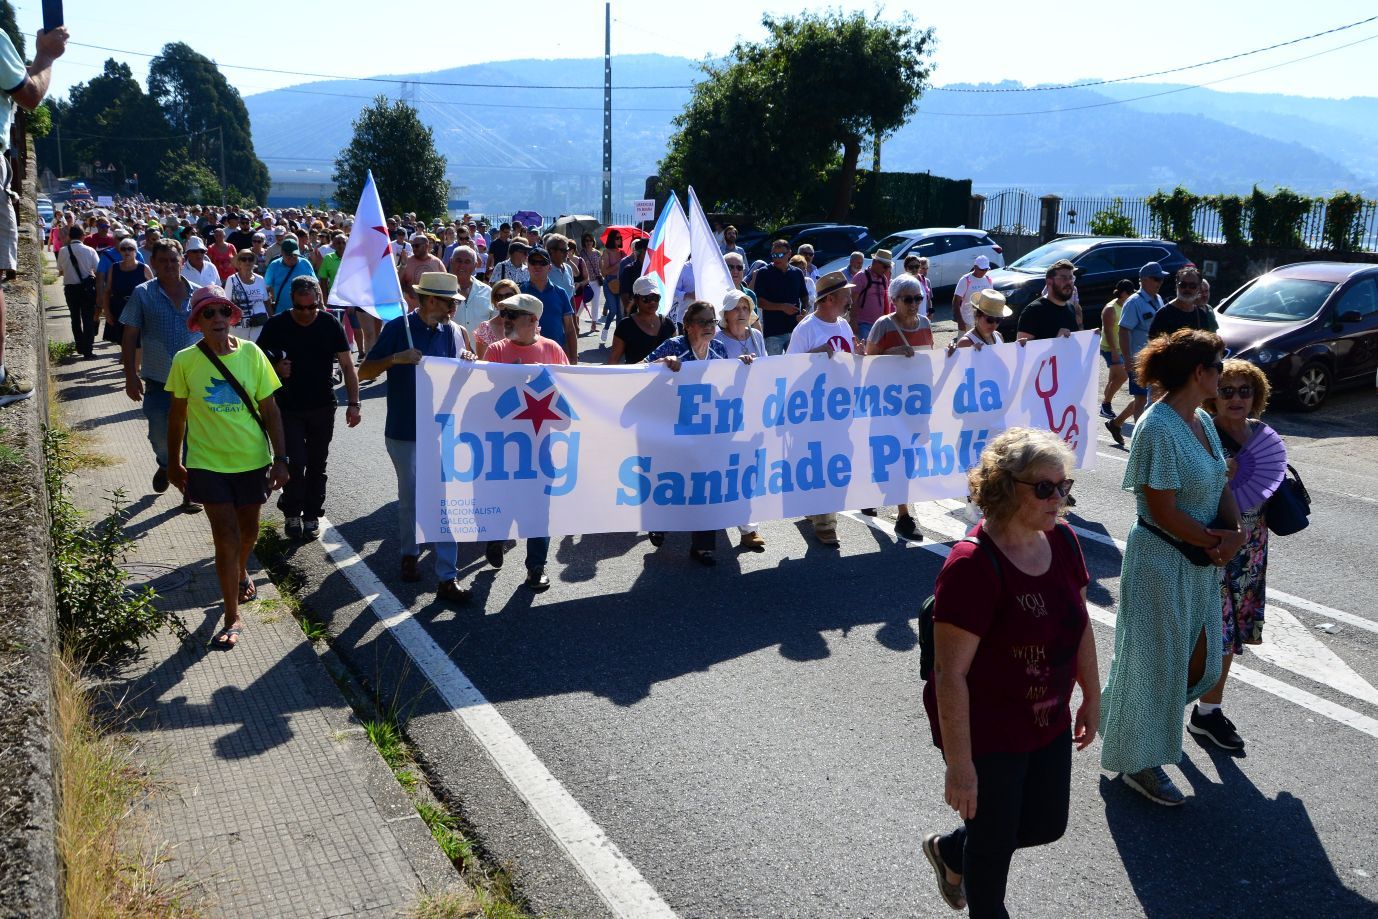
537, 410
658, 262
387, 246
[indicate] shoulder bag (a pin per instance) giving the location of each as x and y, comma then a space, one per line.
1288, 511
237, 387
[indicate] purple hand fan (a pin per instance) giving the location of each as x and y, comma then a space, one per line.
1262, 465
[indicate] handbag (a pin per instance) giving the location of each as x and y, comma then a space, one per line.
87, 285
238, 389
1288, 511
1197, 555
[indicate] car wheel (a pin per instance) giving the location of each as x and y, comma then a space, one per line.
1311, 386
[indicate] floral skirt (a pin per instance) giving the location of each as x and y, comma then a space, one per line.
1242, 588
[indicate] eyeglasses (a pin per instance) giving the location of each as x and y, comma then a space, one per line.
1229, 392
313, 305
703, 323
986, 318
1217, 366
536, 264
1045, 489
1182, 288
242, 258
513, 315
909, 298
211, 312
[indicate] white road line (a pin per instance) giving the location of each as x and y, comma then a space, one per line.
611, 874
1335, 712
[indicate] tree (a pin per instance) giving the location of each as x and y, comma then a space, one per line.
199, 102
188, 182
111, 121
779, 117
11, 26
390, 139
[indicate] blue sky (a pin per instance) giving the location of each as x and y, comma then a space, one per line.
1049, 42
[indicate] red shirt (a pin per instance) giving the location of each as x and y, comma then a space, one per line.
541, 351
222, 257
1020, 681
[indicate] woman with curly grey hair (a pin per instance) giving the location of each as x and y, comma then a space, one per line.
1011, 637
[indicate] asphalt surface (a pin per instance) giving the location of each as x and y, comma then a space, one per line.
752, 739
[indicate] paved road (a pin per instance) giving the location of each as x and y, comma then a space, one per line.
751, 739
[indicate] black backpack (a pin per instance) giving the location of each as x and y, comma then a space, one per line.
926, 651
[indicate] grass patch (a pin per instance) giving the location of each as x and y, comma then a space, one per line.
99, 782
59, 351
452, 904
81, 446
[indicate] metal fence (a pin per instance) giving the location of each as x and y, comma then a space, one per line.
1017, 211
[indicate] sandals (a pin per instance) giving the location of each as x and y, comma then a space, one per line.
228, 639
951, 893
247, 591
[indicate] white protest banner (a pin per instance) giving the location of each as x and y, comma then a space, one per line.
105, 200
643, 209
518, 450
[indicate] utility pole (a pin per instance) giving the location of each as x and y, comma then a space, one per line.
607, 112
59, 149
222, 165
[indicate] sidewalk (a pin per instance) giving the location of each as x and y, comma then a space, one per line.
268, 798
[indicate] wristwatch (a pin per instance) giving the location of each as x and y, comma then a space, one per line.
282, 459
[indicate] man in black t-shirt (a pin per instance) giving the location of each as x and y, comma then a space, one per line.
304, 344
1185, 311
1051, 316
240, 235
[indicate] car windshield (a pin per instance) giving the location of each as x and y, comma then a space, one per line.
1274, 299
1041, 259
892, 242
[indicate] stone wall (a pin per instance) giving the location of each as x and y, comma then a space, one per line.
28, 858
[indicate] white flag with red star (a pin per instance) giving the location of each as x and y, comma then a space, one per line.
368, 277
667, 251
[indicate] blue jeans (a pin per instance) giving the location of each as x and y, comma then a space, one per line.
403, 456
156, 405
776, 344
537, 551
612, 307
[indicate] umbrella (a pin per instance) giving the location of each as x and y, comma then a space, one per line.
528, 218
575, 226
1260, 469
629, 234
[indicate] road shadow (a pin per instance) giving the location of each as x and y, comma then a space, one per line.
1230, 851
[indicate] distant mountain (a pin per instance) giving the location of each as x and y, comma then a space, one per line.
542, 148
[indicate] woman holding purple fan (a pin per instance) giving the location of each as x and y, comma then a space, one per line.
1257, 461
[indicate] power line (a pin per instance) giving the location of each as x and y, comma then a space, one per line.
332, 76
683, 86
1166, 92
1159, 73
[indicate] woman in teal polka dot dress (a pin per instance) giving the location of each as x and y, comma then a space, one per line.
1167, 637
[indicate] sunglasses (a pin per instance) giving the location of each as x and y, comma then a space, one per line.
1217, 366
245, 258
736, 268
983, 317
1188, 287
513, 315
909, 298
306, 306
211, 312
1229, 392
649, 298
1046, 489
534, 263
703, 323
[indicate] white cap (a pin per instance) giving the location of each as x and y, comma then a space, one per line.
981, 262
196, 244
644, 287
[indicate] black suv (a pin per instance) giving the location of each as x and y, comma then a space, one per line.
1101, 262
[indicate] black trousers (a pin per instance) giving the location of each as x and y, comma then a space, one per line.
81, 304
308, 433
1021, 801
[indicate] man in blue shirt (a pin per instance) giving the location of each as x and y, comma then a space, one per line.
1135, 318
155, 320
280, 272
557, 316
433, 335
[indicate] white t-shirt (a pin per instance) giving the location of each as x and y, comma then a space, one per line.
814, 332
251, 296
476, 308
77, 261
966, 288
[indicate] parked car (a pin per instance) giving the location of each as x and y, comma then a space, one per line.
45, 211
950, 252
1101, 262
757, 247
833, 241
1310, 327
